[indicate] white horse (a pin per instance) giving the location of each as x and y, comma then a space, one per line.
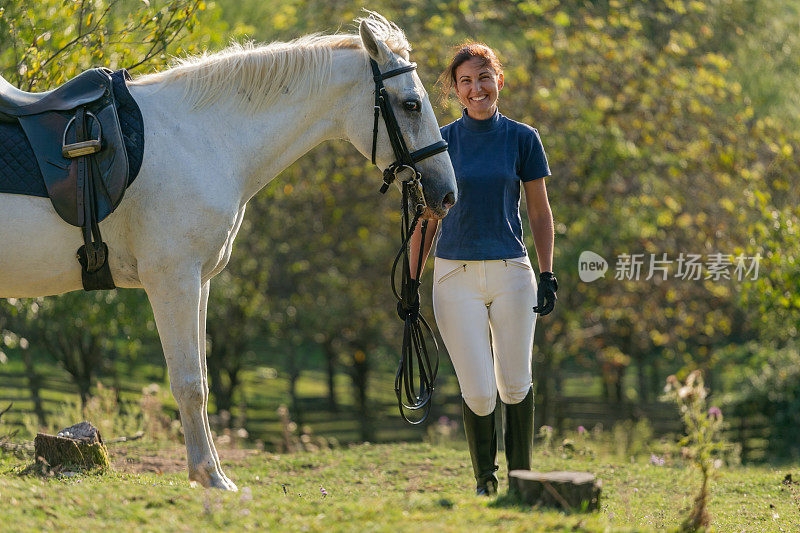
218, 128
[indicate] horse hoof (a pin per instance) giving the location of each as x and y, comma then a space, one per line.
213, 480
227, 484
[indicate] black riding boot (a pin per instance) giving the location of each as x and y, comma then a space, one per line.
519, 433
482, 441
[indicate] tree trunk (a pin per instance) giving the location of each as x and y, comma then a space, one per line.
641, 374
558, 386
294, 375
223, 364
221, 393
78, 446
330, 356
618, 385
656, 382
569, 491
34, 385
544, 394
360, 377
75, 354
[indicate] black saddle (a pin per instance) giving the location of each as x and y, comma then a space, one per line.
85, 88
85, 156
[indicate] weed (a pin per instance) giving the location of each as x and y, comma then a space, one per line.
293, 441
702, 442
631, 438
7, 436
444, 432
546, 435
157, 424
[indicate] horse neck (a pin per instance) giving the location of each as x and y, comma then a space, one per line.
250, 149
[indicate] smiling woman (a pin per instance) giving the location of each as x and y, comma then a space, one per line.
483, 279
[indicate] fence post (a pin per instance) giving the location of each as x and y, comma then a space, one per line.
743, 438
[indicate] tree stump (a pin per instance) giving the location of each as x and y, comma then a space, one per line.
571, 491
77, 446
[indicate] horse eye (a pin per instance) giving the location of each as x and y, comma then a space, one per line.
412, 105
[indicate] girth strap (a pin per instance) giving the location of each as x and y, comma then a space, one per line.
93, 255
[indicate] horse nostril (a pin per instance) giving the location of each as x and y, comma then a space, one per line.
449, 200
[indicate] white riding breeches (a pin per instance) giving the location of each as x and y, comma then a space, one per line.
472, 298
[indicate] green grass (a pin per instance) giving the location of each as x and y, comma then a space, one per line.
386, 487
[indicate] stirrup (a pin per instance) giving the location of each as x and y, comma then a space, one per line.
99, 279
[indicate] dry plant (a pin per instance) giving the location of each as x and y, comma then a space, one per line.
292, 440
157, 424
7, 436
702, 443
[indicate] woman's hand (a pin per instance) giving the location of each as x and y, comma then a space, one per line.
546, 293
410, 308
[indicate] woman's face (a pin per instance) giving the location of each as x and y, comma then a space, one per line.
477, 87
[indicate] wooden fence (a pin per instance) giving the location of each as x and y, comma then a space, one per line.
566, 413
752, 434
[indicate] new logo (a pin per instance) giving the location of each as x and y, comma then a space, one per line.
591, 266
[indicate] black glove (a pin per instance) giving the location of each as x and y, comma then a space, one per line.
408, 307
546, 293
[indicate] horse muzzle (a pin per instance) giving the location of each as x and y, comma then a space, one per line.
439, 209
439, 198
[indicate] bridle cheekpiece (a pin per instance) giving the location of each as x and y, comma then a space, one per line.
403, 168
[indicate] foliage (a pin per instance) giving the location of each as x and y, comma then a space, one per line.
48, 42
157, 424
771, 388
625, 98
7, 437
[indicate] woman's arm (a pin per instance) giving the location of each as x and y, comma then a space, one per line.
413, 253
541, 218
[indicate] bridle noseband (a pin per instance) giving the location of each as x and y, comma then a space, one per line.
404, 160
416, 374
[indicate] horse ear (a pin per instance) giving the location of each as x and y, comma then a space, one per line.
376, 48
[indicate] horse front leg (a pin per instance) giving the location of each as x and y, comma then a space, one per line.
202, 343
176, 300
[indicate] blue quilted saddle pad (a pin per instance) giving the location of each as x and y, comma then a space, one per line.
19, 171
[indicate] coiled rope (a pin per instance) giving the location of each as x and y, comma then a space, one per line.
416, 374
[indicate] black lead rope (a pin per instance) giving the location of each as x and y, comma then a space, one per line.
415, 380
416, 374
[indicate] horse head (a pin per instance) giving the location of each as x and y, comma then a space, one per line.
412, 110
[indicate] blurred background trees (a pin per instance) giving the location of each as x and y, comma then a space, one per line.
671, 128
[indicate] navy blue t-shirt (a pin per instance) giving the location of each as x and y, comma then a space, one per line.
490, 158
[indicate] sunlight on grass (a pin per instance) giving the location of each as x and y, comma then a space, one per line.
381, 488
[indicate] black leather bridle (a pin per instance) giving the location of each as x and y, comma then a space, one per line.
403, 167
416, 374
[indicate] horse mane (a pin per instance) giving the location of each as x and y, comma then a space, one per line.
254, 75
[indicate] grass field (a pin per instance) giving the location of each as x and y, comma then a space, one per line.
385, 487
